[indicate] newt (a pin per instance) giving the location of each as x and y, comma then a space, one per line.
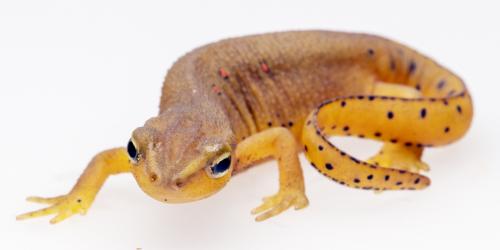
228, 105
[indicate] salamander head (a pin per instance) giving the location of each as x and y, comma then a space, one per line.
182, 154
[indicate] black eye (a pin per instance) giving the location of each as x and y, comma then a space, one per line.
221, 167
132, 151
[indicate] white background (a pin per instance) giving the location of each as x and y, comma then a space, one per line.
77, 77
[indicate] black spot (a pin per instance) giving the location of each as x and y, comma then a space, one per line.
390, 115
312, 164
320, 148
399, 183
371, 52
394, 140
329, 166
305, 148
420, 145
418, 87
342, 153
355, 160
290, 124
416, 181
371, 98
447, 129
408, 144
361, 136
369, 177
387, 177
378, 134
356, 180
360, 97
412, 67
346, 128
459, 109
342, 104
402, 171
423, 113
79, 200
270, 124
445, 102
441, 84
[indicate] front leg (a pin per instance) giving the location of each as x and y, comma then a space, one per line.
280, 144
79, 199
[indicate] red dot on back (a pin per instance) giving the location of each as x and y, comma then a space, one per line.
264, 67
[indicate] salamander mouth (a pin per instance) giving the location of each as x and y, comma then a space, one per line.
195, 187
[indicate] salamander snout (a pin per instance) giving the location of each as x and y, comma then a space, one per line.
184, 162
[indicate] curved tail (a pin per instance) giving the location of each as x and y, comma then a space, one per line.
421, 122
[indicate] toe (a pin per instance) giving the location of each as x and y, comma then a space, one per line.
423, 166
38, 213
51, 200
267, 203
301, 202
282, 206
61, 216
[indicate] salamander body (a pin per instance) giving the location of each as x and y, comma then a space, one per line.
230, 104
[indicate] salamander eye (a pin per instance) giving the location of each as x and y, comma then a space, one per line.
220, 167
132, 152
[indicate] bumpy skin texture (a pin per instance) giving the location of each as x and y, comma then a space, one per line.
277, 79
252, 98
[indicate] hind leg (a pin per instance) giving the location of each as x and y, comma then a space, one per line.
404, 157
400, 157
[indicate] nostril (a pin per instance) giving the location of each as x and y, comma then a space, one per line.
179, 184
153, 177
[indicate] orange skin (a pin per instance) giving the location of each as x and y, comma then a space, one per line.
230, 104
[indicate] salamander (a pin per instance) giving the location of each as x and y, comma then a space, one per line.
231, 104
